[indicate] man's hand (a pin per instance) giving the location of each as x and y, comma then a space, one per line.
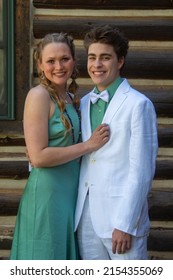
121, 241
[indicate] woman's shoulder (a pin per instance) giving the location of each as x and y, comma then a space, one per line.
37, 96
39, 89
38, 92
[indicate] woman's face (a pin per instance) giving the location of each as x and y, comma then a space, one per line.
57, 63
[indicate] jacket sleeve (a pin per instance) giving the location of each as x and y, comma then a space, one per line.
143, 149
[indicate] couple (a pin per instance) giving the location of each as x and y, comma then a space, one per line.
107, 199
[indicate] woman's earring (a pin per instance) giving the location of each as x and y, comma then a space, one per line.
42, 76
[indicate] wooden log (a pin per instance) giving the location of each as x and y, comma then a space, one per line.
12, 156
164, 169
135, 28
5, 243
9, 203
157, 94
163, 255
19, 169
106, 4
6, 232
4, 254
164, 110
140, 64
12, 185
12, 141
147, 61
161, 240
14, 169
161, 205
15, 185
165, 136
162, 98
162, 185
9, 200
11, 127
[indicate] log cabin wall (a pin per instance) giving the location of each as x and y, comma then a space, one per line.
149, 68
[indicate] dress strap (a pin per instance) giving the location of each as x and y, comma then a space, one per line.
53, 99
70, 95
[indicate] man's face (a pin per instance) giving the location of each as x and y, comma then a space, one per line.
103, 65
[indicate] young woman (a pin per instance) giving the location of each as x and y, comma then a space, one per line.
45, 221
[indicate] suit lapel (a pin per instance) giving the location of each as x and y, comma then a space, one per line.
85, 114
117, 101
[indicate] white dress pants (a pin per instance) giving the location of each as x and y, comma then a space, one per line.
92, 247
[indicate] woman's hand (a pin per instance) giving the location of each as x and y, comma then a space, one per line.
99, 137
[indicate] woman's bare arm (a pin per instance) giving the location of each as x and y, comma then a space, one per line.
36, 115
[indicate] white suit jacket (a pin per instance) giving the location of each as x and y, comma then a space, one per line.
119, 175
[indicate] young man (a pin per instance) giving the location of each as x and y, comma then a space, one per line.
112, 210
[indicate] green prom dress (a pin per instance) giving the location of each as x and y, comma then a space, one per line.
44, 227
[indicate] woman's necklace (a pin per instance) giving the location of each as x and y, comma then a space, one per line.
71, 123
65, 98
